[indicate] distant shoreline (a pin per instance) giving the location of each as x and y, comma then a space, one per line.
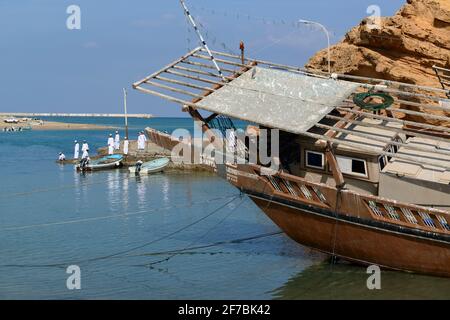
87, 115
50, 125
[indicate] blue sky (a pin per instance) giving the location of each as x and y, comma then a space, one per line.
45, 67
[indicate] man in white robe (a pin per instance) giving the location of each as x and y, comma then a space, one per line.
76, 152
142, 139
110, 144
85, 154
84, 159
62, 157
85, 146
125, 146
117, 141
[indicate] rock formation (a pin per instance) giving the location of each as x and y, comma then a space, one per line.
402, 48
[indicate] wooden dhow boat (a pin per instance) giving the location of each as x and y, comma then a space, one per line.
365, 181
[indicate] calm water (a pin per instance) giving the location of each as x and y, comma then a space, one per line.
173, 235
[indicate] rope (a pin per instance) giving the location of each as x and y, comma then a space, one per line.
71, 186
119, 253
127, 214
201, 237
359, 100
203, 42
215, 244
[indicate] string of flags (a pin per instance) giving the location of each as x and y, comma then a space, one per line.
263, 20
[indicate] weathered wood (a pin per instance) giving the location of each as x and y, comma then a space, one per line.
388, 128
162, 86
166, 67
386, 141
334, 166
404, 122
182, 83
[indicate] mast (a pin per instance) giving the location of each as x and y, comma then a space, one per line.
125, 110
202, 40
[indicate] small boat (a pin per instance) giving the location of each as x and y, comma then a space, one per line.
153, 166
108, 162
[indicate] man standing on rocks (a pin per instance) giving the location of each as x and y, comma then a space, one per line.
125, 146
141, 141
76, 153
117, 141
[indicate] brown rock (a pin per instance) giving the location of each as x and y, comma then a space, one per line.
401, 48
404, 48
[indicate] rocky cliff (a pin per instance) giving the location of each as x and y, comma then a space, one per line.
401, 48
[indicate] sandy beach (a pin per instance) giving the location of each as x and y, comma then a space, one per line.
36, 124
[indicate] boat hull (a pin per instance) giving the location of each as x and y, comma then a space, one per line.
359, 241
153, 166
146, 171
97, 167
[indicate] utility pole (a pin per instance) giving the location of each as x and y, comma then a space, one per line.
126, 115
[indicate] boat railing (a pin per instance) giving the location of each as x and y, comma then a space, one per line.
321, 195
290, 186
428, 219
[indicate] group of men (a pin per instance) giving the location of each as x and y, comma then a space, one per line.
113, 145
76, 153
84, 150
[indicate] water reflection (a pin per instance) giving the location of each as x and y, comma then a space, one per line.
125, 187
165, 189
141, 189
113, 188
345, 281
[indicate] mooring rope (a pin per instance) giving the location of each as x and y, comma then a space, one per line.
126, 214
215, 244
201, 237
119, 253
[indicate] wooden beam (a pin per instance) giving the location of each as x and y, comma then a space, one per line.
404, 122
334, 166
166, 67
388, 128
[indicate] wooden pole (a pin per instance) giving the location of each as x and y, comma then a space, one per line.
242, 47
125, 110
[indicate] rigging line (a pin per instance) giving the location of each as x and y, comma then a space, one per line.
116, 254
201, 237
127, 214
274, 42
338, 203
203, 42
71, 186
18, 194
215, 244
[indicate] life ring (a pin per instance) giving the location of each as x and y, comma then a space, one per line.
359, 98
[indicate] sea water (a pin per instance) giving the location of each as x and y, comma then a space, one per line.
163, 236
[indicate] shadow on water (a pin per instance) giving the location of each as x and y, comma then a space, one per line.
346, 281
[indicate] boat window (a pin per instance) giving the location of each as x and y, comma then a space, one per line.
315, 159
352, 166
